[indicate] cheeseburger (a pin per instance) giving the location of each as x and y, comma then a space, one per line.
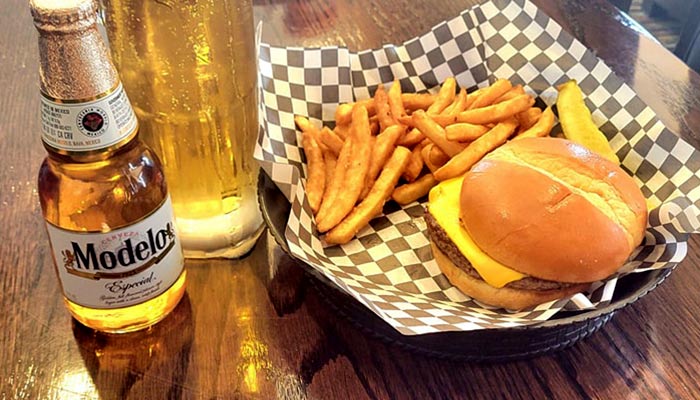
535, 220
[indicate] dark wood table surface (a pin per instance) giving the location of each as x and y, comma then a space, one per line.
256, 328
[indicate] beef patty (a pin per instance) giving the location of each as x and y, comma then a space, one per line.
443, 242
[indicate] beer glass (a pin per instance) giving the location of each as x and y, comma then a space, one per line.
190, 70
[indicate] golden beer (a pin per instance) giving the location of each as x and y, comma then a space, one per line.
190, 70
88, 196
102, 191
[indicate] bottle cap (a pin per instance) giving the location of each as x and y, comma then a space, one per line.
63, 15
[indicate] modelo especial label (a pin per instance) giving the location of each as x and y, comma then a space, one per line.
120, 268
87, 125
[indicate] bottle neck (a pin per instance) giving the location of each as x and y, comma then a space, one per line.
85, 112
75, 64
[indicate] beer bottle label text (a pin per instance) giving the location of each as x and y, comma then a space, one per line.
120, 268
87, 125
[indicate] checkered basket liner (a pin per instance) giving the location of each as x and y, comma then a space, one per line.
389, 266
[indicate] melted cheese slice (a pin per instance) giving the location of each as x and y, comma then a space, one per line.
444, 207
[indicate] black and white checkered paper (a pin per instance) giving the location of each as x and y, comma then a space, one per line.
389, 266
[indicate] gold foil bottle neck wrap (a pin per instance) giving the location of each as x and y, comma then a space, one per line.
75, 62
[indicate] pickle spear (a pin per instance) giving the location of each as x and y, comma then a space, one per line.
577, 124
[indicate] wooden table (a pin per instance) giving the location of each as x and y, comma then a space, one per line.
255, 328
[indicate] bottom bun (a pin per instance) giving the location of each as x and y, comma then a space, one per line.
512, 299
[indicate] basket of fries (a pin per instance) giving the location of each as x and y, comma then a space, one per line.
401, 118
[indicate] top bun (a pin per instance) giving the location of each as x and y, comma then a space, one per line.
552, 209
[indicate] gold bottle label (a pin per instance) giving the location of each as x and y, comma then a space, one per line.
87, 124
120, 268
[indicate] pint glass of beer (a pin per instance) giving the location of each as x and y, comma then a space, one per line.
190, 70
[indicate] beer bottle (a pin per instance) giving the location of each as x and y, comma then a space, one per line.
103, 194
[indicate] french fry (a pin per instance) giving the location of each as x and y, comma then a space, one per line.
374, 128
369, 105
381, 151
437, 157
417, 101
528, 117
542, 127
496, 112
414, 166
489, 94
343, 114
425, 153
411, 138
381, 102
433, 157
307, 127
343, 131
316, 179
373, 203
514, 91
304, 124
444, 96
395, 101
405, 120
331, 140
463, 161
436, 133
355, 174
464, 132
458, 105
444, 120
577, 123
336, 182
471, 97
329, 160
410, 192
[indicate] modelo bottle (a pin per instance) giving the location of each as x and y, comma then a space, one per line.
103, 194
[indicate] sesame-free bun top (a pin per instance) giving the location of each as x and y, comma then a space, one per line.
552, 209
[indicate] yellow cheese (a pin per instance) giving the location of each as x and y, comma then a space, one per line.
444, 207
